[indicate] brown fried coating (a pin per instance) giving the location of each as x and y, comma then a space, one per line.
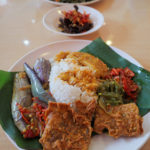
86, 109
65, 129
85, 59
122, 120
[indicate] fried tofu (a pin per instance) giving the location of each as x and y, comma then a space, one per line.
65, 129
122, 120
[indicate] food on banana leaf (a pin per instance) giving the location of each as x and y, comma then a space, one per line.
42, 68
110, 93
21, 96
36, 86
34, 118
122, 120
26, 111
125, 78
91, 91
117, 88
86, 109
65, 129
75, 76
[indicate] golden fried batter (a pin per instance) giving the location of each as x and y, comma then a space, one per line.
83, 79
86, 60
86, 109
65, 129
61, 55
122, 120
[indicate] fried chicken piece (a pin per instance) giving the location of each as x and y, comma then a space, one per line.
65, 129
122, 120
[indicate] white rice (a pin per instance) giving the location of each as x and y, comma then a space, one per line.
61, 90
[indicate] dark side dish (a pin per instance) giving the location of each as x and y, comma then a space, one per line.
71, 1
75, 22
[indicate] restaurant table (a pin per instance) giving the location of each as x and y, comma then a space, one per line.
127, 27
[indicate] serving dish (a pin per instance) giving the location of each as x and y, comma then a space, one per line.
98, 141
51, 19
82, 3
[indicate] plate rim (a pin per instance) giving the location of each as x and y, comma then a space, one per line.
83, 3
53, 43
73, 34
42, 46
62, 41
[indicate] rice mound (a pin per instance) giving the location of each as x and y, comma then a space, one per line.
70, 80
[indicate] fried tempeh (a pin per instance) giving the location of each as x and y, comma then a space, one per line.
122, 120
65, 129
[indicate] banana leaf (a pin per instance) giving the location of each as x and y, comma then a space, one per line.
97, 48
142, 76
6, 121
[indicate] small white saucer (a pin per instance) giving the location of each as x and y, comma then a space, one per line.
51, 19
82, 3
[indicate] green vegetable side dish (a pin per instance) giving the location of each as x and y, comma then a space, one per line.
97, 48
71, 1
110, 93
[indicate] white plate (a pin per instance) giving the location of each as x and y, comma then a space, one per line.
51, 19
98, 142
83, 3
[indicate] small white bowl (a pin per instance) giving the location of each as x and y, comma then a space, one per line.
82, 3
51, 19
